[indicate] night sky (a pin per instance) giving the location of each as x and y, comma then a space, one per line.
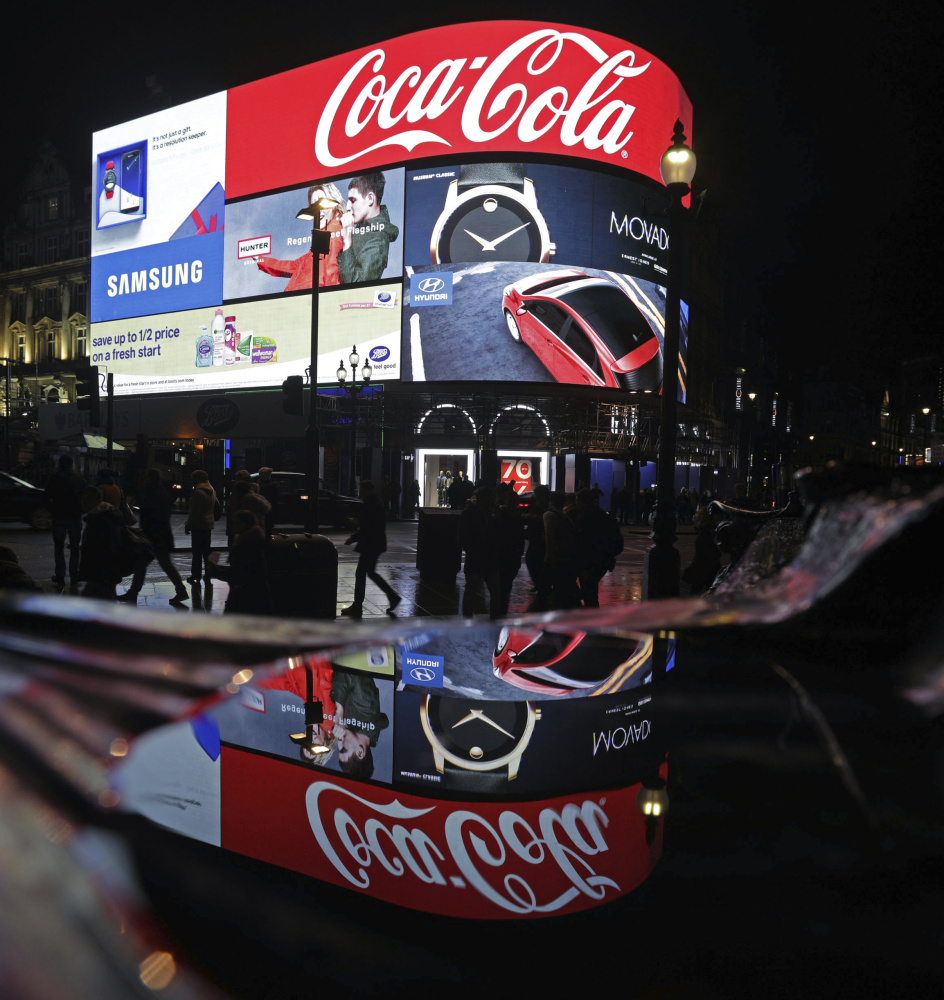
813, 139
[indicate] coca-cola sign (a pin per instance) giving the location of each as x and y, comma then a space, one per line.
482, 859
490, 87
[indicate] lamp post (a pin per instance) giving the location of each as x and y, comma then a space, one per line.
353, 389
8, 365
661, 567
320, 244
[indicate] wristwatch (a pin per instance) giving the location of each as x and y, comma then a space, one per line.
491, 213
477, 745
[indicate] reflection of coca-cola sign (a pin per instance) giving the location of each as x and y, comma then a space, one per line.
218, 415
491, 86
518, 471
480, 859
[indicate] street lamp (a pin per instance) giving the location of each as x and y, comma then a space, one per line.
662, 568
353, 389
320, 245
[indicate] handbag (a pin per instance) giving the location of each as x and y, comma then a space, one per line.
127, 514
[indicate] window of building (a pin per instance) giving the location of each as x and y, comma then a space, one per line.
82, 244
51, 250
81, 341
49, 302
21, 347
50, 345
52, 207
80, 297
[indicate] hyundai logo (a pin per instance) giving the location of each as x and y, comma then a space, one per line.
430, 285
380, 354
422, 674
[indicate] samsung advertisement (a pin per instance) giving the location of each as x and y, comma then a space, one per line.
513, 269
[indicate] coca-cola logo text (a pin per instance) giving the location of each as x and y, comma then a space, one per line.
519, 89
505, 860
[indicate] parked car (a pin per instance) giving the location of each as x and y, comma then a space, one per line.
564, 662
585, 330
292, 508
21, 501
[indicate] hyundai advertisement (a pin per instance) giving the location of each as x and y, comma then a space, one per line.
514, 269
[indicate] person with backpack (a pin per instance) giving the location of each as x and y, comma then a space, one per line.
599, 541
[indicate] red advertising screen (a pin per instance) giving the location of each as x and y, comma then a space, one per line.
496, 217
482, 859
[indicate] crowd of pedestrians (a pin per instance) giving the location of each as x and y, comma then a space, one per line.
569, 544
566, 541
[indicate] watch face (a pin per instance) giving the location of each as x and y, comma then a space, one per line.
110, 180
479, 735
491, 223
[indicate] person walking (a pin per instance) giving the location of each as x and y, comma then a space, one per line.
477, 538
155, 503
269, 490
200, 520
248, 569
105, 557
561, 555
63, 494
599, 542
370, 542
509, 544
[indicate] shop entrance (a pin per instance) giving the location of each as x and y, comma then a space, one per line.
438, 470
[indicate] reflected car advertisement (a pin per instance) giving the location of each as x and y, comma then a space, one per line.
563, 663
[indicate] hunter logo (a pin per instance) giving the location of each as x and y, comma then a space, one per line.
218, 415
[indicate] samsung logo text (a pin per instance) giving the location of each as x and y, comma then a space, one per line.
157, 277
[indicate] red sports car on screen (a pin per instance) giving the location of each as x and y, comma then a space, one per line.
585, 330
561, 663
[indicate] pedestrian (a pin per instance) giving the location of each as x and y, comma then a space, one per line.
537, 549
155, 503
509, 543
477, 539
12, 574
413, 497
370, 542
106, 556
700, 574
246, 496
111, 492
63, 494
561, 555
248, 571
269, 491
200, 520
599, 542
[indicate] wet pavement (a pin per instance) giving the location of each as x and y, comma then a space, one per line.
421, 597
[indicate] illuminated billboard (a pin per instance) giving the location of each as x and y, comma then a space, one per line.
547, 263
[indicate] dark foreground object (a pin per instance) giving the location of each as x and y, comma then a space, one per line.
802, 845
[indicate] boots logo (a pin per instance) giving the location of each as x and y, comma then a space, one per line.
218, 415
520, 90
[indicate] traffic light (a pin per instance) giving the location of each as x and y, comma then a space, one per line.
86, 393
292, 395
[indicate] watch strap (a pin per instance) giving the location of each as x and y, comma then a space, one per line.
475, 781
475, 174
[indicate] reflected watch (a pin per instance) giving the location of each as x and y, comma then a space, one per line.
477, 745
491, 214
